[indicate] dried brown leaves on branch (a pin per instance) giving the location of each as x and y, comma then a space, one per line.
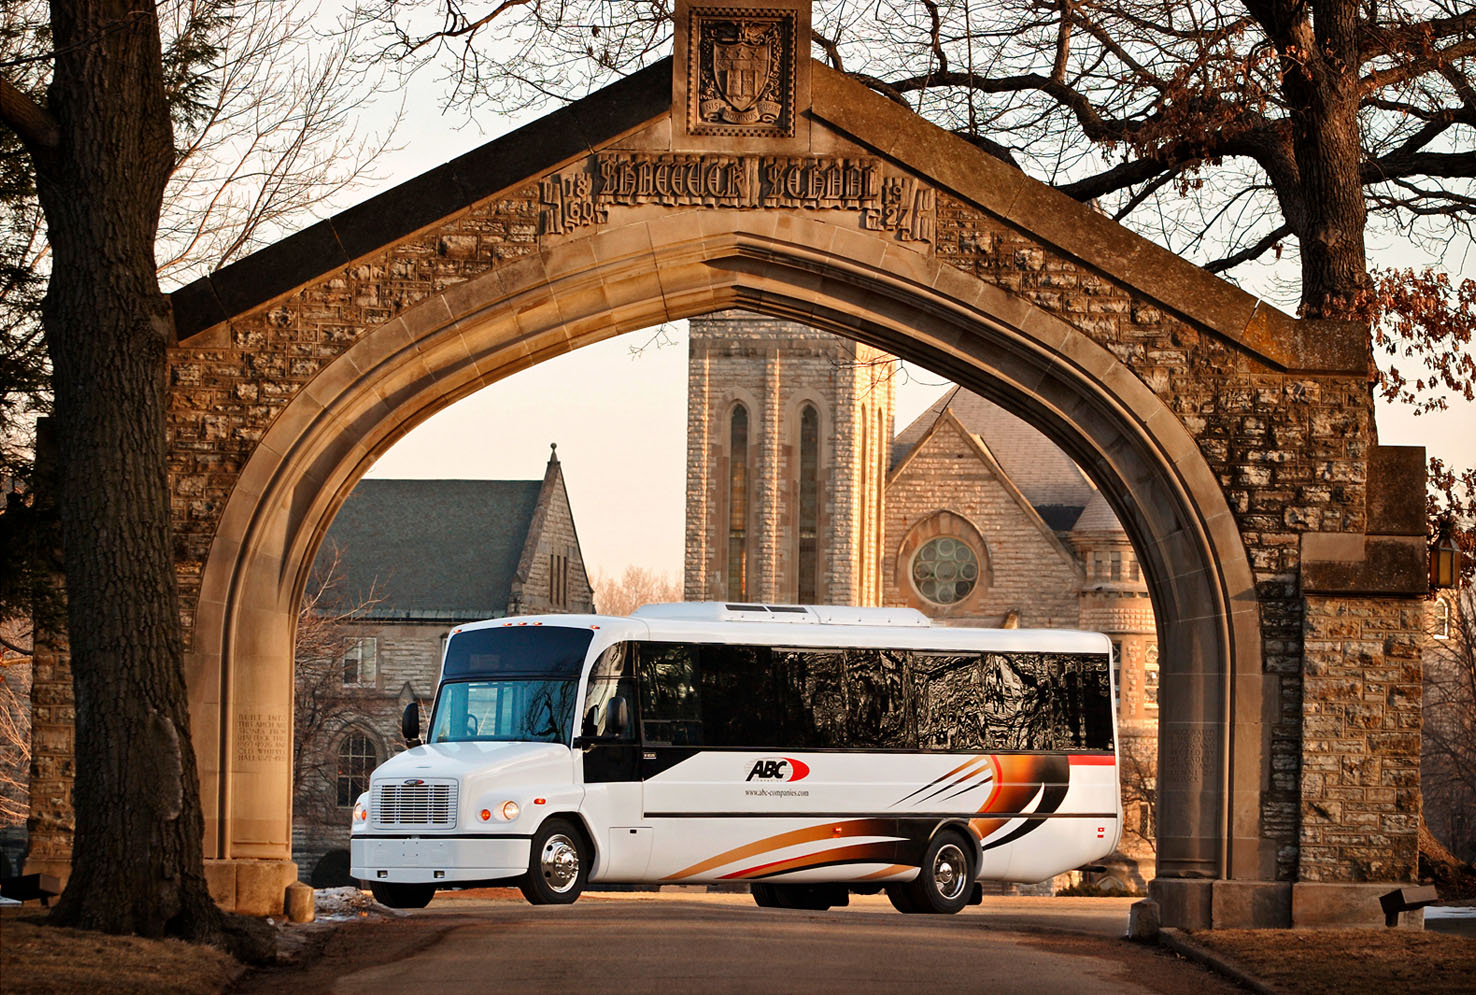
1421, 317
1257, 138
1229, 132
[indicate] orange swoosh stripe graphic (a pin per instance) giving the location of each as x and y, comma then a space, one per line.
810, 834
886, 872
938, 780
840, 854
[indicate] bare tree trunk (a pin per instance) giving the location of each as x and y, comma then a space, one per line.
137, 859
1319, 51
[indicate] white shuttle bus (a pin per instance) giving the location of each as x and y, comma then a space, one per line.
810, 752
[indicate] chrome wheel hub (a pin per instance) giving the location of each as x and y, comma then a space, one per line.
948, 871
559, 862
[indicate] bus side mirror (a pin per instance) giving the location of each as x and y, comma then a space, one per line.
410, 724
617, 717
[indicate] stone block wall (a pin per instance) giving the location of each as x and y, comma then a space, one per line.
53, 762
774, 367
1360, 777
228, 384
1291, 452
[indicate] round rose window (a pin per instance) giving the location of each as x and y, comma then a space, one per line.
945, 570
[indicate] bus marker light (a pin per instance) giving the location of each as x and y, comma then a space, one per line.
485, 814
540, 801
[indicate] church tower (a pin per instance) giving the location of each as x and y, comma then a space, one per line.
788, 441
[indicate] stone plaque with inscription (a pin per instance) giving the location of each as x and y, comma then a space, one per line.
884, 201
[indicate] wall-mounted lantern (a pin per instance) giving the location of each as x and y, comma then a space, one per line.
1445, 557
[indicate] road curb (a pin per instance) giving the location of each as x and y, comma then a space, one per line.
1179, 943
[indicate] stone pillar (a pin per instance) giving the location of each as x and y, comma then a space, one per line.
767, 547
1363, 626
53, 724
699, 567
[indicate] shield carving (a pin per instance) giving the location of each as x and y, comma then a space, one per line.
741, 69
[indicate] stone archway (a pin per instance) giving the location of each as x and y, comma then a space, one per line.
1234, 443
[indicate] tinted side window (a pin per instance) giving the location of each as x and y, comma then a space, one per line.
823, 722
741, 702
877, 712
950, 690
612, 675
671, 710
1019, 701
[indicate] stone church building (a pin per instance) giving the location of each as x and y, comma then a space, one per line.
800, 490
410, 559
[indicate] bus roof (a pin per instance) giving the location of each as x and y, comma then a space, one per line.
818, 626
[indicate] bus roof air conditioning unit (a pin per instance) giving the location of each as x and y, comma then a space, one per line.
721, 611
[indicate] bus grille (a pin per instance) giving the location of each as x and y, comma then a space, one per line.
425, 804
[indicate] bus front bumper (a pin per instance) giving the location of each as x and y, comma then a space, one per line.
429, 860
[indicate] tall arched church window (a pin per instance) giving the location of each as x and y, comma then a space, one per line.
357, 759
809, 506
738, 505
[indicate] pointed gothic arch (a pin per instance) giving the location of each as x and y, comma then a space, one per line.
623, 218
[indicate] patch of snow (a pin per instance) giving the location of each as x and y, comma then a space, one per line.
1450, 912
341, 904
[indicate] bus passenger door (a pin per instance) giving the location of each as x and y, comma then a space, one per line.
612, 784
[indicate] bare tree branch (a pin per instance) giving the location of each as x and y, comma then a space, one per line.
31, 122
1255, 251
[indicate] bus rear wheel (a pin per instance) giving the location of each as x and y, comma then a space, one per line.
558, 865
945, 880
402, 896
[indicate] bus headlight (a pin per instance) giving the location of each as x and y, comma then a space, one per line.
509, 810
361, 813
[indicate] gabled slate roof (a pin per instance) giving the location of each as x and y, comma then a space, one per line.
1097, 517
1054, 485
443, 550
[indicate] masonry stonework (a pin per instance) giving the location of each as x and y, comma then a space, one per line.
774, 369
1360, 779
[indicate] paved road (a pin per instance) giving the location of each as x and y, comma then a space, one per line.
692, 942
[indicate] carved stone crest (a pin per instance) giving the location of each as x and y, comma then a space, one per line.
741, 74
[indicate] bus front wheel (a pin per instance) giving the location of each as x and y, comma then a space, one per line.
944, 881
558, 865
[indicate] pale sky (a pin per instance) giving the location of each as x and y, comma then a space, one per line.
620, 419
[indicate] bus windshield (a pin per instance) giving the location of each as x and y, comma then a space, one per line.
518, 710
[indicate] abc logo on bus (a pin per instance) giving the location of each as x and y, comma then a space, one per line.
778, 769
